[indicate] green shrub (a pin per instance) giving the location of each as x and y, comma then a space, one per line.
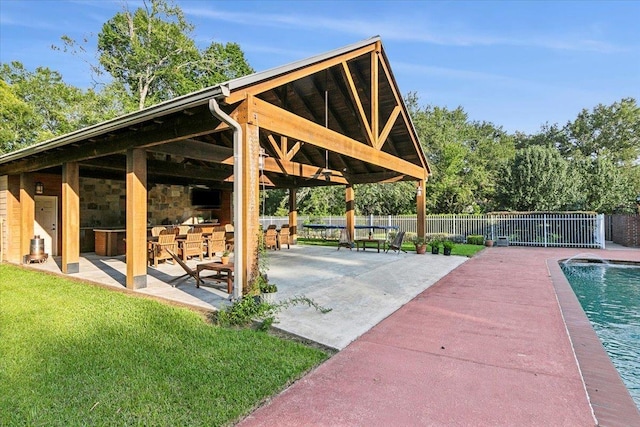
448, 244
475, 239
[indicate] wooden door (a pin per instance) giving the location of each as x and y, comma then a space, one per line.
46, 222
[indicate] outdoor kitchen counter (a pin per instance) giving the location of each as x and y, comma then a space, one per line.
110, 241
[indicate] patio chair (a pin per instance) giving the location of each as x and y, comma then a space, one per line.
228, 237
159, 251
155, 231
285, 236
188, 271
396, 243
271, 238
215, 243
345, 240
191, 246
184, 229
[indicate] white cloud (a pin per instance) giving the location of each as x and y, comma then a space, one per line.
443, 33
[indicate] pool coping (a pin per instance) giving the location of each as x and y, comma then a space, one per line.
610, 401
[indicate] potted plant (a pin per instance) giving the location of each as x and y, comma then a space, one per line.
435, 246
225, 257
420, 244
447, 246
268, 292
488, 242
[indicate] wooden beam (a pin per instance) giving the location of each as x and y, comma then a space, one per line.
136, 218
181, 128
293, 214
350, 210
193, 149
406, 119
285, 123
280, 152
70, 218
251, 201
375, 112
27, 212
240, 94
376, 177
362, 115
14, 223
420, 207
298, 169
388, 126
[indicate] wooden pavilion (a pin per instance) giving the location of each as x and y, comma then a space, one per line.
333, 119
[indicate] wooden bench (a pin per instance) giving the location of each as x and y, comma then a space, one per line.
224, 273
363, 243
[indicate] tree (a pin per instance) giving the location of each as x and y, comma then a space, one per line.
152, 58
611, 132
539, 179
321, 201
604, 187
57, 108
18, 121
466, 157
145, 50
385, 199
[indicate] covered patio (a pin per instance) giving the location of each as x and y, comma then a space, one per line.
362, 288
334, 119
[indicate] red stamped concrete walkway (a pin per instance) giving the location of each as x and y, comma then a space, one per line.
484, 346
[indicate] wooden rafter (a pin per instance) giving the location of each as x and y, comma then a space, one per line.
354, 93
406, 119
283, 122
258, 88
375, 112
388, 126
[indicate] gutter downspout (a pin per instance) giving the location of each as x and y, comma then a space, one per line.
238, 180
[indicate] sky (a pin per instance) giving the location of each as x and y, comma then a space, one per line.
516, 64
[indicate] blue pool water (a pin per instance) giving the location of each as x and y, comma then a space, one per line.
610, 296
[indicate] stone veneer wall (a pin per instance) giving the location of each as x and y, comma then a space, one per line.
103, 204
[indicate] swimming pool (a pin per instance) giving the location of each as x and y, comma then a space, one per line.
610, 296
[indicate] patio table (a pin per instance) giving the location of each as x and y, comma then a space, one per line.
363, 243
224, 273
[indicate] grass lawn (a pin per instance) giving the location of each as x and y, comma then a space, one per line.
461, 249
77, 354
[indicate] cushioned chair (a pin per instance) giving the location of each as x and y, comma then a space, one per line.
159, 251
192, 246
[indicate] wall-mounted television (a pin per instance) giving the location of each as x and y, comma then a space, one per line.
204, 198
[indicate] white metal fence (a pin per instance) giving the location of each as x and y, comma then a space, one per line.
554, 229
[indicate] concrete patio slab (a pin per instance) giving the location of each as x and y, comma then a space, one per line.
360, 287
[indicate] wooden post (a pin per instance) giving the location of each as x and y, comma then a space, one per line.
351, 210
27, 212
293, 215
136, 218
420, 207
70, 218
14, 224
251, 192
